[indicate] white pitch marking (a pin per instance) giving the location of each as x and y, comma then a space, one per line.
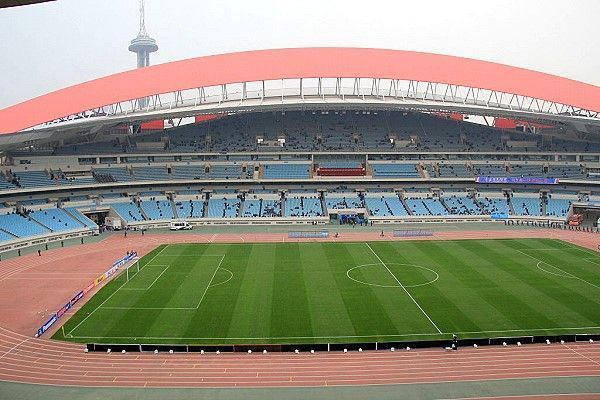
402, 286
109, 297
563, 271
209, 282
335, 337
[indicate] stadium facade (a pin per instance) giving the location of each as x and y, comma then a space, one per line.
300, 136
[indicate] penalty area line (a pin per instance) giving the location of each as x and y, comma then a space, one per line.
109, 297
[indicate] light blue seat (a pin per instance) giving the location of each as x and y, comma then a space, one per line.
527, 205
303, 207
286, 171
389, 170
56, 220
157, 209
189, 208
223, 208
130, 212
21, 226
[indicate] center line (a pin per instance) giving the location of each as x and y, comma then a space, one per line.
402, 286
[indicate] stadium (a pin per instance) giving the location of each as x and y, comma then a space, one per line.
304, 217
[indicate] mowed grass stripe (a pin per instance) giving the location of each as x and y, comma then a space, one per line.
326, 306
289, 310
438, 299
571, 292
300, 293
387, 310
517, 296
252, 311
173, 288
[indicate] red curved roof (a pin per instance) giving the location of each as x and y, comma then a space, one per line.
297, 63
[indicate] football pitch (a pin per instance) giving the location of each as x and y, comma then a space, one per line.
279, 293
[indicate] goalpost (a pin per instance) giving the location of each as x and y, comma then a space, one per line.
136, 263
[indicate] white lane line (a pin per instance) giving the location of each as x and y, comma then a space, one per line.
402, 286
554, 266
109, 297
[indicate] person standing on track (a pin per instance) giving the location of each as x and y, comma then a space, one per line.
454, 342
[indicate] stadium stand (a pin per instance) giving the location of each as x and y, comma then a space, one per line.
394, 170
303, 206
130, 212
385, 205
286, 171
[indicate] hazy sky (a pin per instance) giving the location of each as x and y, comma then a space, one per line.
48, 46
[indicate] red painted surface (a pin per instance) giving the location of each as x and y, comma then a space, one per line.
341, 172
156, 125
292, 64
507, 123
207, 117
453, 116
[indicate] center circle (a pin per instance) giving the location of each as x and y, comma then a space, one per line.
408, 275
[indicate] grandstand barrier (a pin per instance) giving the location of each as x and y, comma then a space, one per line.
335, 347
308, 234
106, 275
28, 241
412, 233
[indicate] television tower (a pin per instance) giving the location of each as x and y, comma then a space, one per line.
143, 44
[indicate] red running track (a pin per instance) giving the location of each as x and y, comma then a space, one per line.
29, 360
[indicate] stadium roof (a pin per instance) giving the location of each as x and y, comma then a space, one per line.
265, 65
15, 3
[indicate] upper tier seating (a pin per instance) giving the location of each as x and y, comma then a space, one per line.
29, 179
388, 170
286, 171
117, 174
150, 174
5, 184
303, 131
526, 170
566, 171
489, 170
449, 171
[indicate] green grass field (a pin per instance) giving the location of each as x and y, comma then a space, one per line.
346, 292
